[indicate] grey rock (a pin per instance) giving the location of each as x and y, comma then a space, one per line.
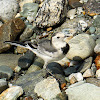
86, 64
37, 65
94, 81
10, 60
81, 47
29, 11
8, 9
27, 33
96, 22
85, 91
51, 13
29, 81
97, 49
92, 30
3, 85
5, 72
70, 70
26, 60
47, 88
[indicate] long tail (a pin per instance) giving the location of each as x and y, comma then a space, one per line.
24, 45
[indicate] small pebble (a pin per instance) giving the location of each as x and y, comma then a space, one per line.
88, 73
26, 60
98, 74
3, 85
97, 62
92, 30
73, 80
71, 13
78, 76
5, 72
11, 93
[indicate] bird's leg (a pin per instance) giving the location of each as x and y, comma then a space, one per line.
45, 65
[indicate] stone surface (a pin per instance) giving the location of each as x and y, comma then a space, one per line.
86, 64
96, 22
94, 81
29, 81
11, 93
71, 13
26, 60
78, 76
47, 88
3, 85
79, 44
92, 7
51, 13
10, 60
75, 3
88, 73
97, 49
8, 9
97, 62
5, 72
70, 70
98, 73
85, 91
9, 31
29, 11
37, 65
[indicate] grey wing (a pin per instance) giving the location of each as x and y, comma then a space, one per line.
46, 45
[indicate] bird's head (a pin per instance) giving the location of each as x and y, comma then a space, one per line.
58, 40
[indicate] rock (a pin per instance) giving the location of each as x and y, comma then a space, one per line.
73, 80
10, 60
29, 81
56, 69
79, 44
78, 76
94, 81
76, 84
11, 93
37, 65
92, 30
9, 31
88, 73
5, 72
97, 49
8, 9
92, 7
70, 70
86, 64
51, 13
71, 13
75, 3
28, 32
61, 96
3, 85
96, 22
26, 60
29, 11
82, 25
97, 62
22, 2
20, 50
80, 92
98, 73
1, 23
47, 86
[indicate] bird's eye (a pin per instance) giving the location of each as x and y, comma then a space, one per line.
58, 37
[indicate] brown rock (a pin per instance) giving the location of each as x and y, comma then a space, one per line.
75, 3
92, 7
9, 31
97, 62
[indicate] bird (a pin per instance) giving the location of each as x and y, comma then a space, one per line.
54, 49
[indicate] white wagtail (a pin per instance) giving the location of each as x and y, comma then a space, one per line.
49, 50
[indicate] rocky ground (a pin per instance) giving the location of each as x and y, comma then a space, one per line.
76, 76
